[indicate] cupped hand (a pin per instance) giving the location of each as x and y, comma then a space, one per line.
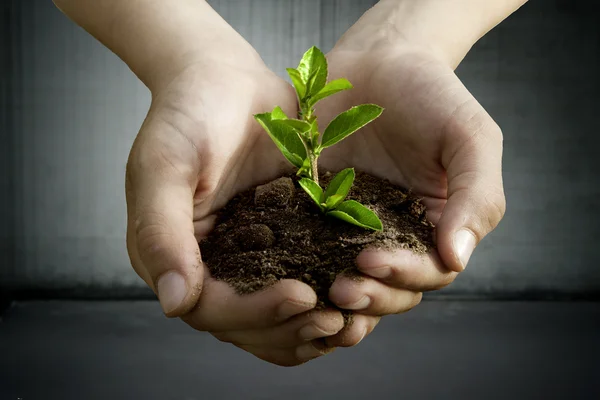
197, 148
434, 138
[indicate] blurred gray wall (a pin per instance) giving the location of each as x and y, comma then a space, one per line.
7, 239
71, 110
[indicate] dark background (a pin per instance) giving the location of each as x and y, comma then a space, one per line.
70, 110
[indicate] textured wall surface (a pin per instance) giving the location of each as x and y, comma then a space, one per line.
74, 109
7, 238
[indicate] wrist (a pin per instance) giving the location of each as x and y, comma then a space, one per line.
192, 37
158, 39
205, 59
445, 28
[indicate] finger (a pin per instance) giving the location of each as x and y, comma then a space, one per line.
354, 333
202, 227
292, 356
221, 309
406, 269
298, 330
476, 204
161, 242
372, 297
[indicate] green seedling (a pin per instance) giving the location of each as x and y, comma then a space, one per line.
301, 142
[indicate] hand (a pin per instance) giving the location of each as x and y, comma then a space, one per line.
198, 147
433, 137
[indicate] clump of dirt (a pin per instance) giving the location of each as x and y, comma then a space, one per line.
275, 231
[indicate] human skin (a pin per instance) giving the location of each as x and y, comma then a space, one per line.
434, 137
199, 146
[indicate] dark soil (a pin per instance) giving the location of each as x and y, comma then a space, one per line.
275, 231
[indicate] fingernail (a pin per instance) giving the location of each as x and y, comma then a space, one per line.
308, 351
310, 332
464, 244
171, 291
359, 305
363, 336
380, 273
291, 308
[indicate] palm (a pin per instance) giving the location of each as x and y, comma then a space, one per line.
405, 143
201, 144
214, 114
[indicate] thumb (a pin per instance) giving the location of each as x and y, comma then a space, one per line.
160, 231
476, 202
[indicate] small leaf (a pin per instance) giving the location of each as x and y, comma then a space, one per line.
285, 137
300, 126
340, 184
313, 67
304, 170
333, 201
355, 213
278, 113
313, 189
299, 84
349, 122
315, 133
312, 85
331, 88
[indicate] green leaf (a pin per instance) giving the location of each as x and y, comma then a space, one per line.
285, 137
300, 126
313, 189
349, 122
278, 113
340, 184
313, 69
304, 170
312, 86
315, 133
333, 201
299, 84
355, 213
331, 88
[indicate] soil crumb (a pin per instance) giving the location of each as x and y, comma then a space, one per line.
275, 231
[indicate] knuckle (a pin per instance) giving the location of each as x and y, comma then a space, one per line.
471, 127
415, 300
445, 281
152, 235
467, 120
492, 211
161, 154
157, 160
288, 291
351, 338
402, 277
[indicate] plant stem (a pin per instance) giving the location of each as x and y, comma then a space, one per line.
306, 113
313, 167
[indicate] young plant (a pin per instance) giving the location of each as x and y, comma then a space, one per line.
301, 142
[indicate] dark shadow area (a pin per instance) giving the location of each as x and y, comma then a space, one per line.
5, 302
7, 157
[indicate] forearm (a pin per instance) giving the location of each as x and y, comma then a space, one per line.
156, 38
448, 27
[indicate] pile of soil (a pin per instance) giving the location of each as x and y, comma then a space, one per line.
275, 231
